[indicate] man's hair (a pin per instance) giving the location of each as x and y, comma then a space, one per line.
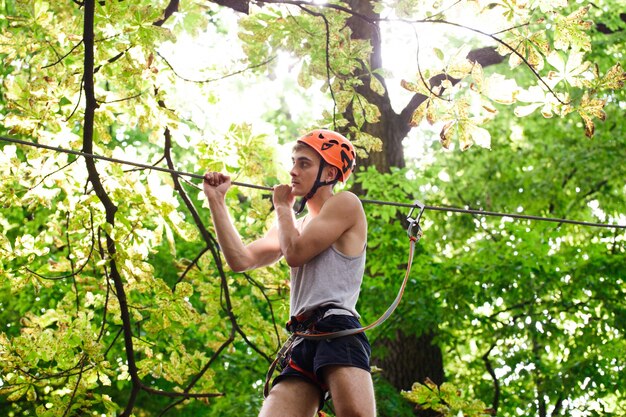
298, 146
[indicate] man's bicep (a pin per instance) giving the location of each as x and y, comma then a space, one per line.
325, 229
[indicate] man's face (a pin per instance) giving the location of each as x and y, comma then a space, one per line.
303, 173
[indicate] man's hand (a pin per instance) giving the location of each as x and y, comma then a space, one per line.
215, 185
283, 196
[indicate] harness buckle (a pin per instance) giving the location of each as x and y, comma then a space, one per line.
414, 230
305, 322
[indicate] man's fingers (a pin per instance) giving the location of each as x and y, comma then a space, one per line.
209, 178
215, 178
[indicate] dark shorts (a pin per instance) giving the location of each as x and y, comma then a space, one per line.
308, 357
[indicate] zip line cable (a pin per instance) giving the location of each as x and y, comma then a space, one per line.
261, 187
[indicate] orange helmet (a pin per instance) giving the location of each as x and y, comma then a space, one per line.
334, 148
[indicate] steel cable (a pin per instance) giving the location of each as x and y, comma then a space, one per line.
261, 187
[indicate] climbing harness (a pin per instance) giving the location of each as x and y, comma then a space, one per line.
294, 325
303, 326
414, 232
281, 356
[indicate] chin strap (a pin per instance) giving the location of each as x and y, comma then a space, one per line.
315, 187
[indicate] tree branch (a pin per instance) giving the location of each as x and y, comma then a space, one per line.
331, 6
509, 47
173, 394
242, 6
80, 376
112, 59
212, 245
109, 207
211, 80
171, 8
486, 56
124, 99
328, 68
192, 264
74, 272
60, 59
269, 304
602, 28
72, 266
80, 96
494, 377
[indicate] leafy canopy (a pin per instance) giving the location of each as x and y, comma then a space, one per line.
138, 315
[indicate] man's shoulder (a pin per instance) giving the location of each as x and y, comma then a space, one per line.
344, 202
346, 197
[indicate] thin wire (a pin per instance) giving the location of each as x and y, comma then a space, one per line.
261, 187
497, 214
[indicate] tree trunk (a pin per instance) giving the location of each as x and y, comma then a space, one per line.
409, 358
389, 128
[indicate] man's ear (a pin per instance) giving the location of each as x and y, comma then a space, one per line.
332, 173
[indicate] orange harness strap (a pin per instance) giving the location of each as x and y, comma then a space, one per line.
309, 375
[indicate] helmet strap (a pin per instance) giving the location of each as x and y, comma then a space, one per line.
315, 187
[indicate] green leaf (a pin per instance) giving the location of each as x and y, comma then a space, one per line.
569, 31
614, 78
184, 289
377, 86
591, 108
439, 53
304, 76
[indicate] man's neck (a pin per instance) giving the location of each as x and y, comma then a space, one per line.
314, 204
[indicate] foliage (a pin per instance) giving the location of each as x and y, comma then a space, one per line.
546, 39
62, 345
445, 399
534, 308
389, 402
541, 296
113, 297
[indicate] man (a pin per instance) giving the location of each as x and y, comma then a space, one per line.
326, 253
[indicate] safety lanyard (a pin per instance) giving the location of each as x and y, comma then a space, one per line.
414, 231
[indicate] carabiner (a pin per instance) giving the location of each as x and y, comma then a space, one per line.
415, 233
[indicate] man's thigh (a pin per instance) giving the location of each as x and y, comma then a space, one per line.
292, 397
351, 389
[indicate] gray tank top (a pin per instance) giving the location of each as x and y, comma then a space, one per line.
331, 279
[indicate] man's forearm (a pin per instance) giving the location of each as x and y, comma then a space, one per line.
228, 237
287, 231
